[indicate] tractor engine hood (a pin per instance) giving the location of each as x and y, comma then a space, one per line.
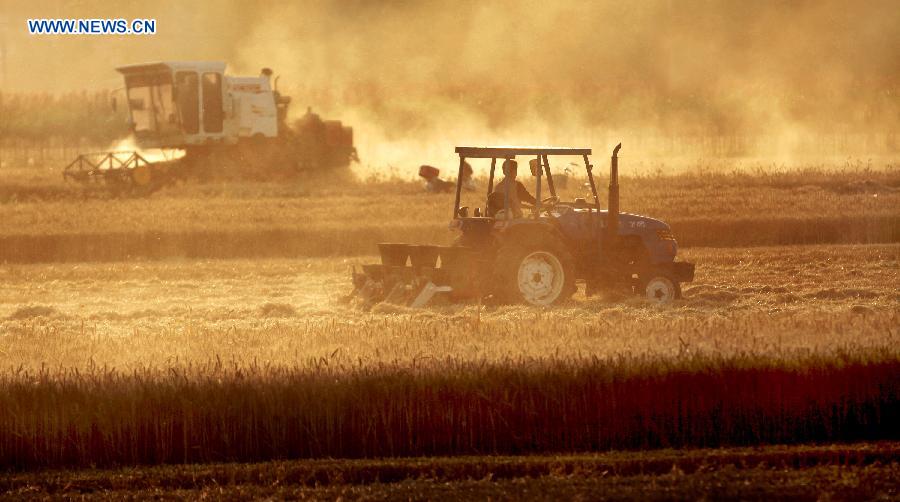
650, 231
631, 223
635, 223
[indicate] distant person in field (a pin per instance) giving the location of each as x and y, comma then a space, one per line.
434, 184
468, 182
510, 187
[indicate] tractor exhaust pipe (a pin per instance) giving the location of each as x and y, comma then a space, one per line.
612, 226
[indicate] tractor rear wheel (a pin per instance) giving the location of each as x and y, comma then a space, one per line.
539, 272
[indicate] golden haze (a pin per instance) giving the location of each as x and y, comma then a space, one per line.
413, 77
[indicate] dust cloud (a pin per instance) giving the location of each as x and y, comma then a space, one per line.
692, 79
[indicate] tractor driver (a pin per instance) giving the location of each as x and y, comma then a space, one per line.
518, 194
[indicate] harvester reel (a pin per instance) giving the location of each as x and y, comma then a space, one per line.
122, 173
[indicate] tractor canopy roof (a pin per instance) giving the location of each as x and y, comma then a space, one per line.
506, 152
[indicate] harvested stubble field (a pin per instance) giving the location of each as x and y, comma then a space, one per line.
288, 311
39, 223
252, 360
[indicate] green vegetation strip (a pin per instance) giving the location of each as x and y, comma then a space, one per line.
362, 240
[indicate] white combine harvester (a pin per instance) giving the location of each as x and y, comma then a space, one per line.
217, 123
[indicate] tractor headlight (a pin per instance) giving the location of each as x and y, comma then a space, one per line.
665, 235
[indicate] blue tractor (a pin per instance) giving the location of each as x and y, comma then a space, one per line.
511, 251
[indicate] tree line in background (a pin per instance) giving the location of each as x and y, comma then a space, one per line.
41, 127
75, 116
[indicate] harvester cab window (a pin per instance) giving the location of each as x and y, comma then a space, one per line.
139, 104
150, 102
188, 100
212, 102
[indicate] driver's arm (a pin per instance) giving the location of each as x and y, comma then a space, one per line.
524, 196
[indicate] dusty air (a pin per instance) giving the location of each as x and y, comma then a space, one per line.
415, 250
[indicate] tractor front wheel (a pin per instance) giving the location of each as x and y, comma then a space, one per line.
539, 273
660, 289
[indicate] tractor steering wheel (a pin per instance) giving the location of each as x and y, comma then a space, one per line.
549, 203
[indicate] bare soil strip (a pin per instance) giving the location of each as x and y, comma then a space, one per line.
859, 471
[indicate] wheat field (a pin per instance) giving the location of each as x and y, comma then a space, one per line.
164, 330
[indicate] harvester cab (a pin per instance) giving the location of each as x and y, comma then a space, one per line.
195, 108
179, 104
533, 256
